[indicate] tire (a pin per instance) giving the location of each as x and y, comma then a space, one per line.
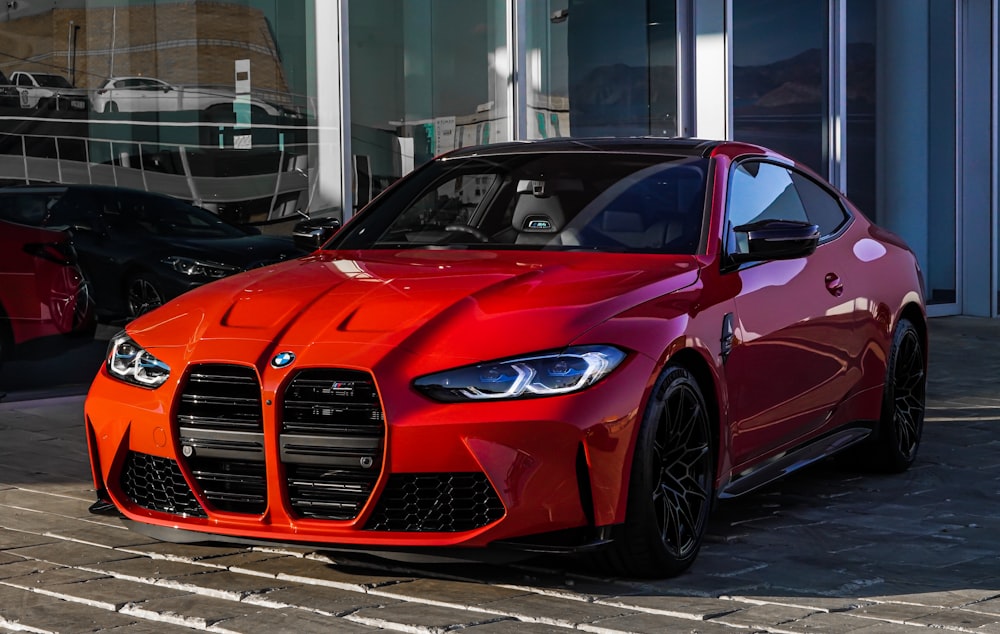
671, 488
141, 296
893, 447
111, 107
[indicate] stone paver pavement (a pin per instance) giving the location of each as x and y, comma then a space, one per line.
825, 551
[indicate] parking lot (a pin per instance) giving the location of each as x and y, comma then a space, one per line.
827, 550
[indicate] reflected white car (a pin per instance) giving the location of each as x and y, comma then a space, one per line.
147, 94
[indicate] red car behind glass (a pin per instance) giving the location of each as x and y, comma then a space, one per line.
567, 345
41, 290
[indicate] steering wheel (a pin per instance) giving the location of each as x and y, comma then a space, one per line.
459, 228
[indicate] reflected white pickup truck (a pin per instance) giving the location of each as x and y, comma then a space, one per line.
47, 90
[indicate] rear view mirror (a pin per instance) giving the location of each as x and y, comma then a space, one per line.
775, 240
313, 233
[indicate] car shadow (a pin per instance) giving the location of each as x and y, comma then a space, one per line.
53, 365
824, 538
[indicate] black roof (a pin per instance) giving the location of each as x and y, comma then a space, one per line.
675, 146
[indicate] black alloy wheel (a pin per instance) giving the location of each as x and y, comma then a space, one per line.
897, 438
142, 296
671, 489
72, 304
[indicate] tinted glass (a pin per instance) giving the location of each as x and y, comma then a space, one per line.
601, 68
763, 191
52, 81
593, 201
821, 207
32, 209
162, 216
779, 77
427, 77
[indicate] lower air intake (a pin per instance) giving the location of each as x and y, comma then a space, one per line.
156, 484
436, 502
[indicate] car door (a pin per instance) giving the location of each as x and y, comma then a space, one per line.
795, 351
133, 94
27, 90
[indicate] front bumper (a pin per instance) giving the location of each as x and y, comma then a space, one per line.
435, 475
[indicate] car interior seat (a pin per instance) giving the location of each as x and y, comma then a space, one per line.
538, 219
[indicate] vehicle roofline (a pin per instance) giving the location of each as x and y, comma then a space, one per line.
668, 146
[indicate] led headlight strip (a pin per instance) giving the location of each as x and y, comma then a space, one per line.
543, 374
129, 362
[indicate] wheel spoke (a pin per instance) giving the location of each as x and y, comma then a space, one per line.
908, 393
682, 458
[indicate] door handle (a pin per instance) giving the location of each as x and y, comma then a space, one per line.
834, 284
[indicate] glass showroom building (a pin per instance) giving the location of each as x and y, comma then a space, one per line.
262, 109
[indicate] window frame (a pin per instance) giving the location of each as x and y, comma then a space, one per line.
727, 264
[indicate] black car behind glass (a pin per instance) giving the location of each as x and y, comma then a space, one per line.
139, 249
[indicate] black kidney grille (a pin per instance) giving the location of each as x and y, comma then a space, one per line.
331, 442
334, 402
157, 484
443, 502
228, 485
219, 423
221, 397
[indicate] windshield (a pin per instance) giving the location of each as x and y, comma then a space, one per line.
141, 212
167, 217
52, 81
601, 201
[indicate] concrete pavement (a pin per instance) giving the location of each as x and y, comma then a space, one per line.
826, 551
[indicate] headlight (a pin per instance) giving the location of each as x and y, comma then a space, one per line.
130, 363
200, 268
542, 375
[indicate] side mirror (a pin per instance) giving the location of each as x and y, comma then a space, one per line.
775, 240
313, 233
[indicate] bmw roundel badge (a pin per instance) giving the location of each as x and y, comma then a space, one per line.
282, 360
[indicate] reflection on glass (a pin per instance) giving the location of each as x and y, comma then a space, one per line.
602, 68
205, 101
427, 76
780, 91
901, 88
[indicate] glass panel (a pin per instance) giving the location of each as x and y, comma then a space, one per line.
602, 68
762, 191
780, 92
577, 201
901, 89
175, 97
427, 76
205, 101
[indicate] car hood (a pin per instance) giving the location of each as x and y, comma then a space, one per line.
475, 305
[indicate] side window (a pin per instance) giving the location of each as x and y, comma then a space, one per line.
24, 209
823, 209
761, 191
74, 209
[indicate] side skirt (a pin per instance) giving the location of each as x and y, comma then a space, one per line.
794, 459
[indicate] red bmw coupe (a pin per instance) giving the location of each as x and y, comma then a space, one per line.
558, 346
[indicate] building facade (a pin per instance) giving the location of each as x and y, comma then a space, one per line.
264, 110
